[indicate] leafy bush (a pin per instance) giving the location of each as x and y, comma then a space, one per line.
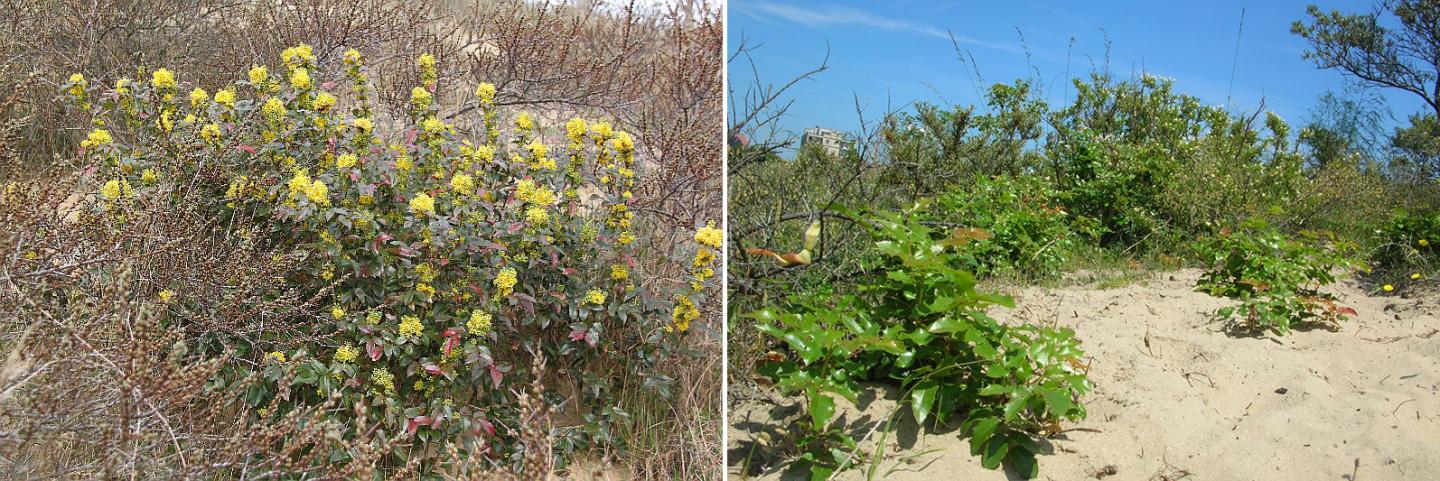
1028, 229
918, 319
1276, 279
449, 262
1407, 249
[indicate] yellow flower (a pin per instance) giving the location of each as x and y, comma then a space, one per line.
626, 238
623, 142
595, 296
1388, 288
210, 132
537, 149
97, 137
685, 311
410, 326
80, 84
383, 379
323, 101
363, 124
709, 235
403, 163
524, 122
426, 289
433, 125
298, 55
703, 257
148, 176
225, 97
300, 79
619, 272
536, 216
1424, 242
346, 353
421, 98
198, 97
1415, 276
116, 189
273, 109
122, 86
346, 161
428, 72
299, 182
602, 129
575, 128
505, 281
163, 79
167, 295
422, 204
372, 317
485, 91
479, 323
462, 183
353, 57
337, 312
318, 193
485, 153
259, 74
275, 356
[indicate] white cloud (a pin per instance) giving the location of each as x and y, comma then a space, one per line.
822, 16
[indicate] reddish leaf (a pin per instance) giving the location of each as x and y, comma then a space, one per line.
1349, 311
410, 136
452, 339
486, 426
515, 227
577, 334
246, 148
433, 369
495, 375
373, 349
327, 85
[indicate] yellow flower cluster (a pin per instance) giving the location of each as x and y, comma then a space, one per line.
259, 75
346, 161
167, 295
422, 204
324, 101
710, 236
210, 132
595, 296
505, 282
298, 55
149, 177
410, 326
300, 79
315, 190
685, 311
536, 216
525, 123
428, 73
619, 273
486, 93
198, 97
363, 124
353, 58
337, 312
346, 353
479, 323
97, 137
273, 109
528, 192
462, 184
225, 97
115, 189
275, 356
382, 379
163, 79
421, 99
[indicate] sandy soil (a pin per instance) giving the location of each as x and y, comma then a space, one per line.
1176, 397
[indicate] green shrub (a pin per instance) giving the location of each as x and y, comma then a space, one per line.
449, 260
918, 319
1407, 248
1029, 230
1276, 279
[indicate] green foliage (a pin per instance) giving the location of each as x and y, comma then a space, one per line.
449, 261
1409, 247
1027, 229
1276, 279
917, 318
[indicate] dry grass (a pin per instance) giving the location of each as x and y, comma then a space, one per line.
91, 386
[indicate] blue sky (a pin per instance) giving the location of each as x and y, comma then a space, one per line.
893, 53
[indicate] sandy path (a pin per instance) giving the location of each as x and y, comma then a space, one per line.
1196, 403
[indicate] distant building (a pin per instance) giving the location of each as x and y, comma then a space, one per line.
830, 141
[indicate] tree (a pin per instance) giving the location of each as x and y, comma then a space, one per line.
1406, 58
